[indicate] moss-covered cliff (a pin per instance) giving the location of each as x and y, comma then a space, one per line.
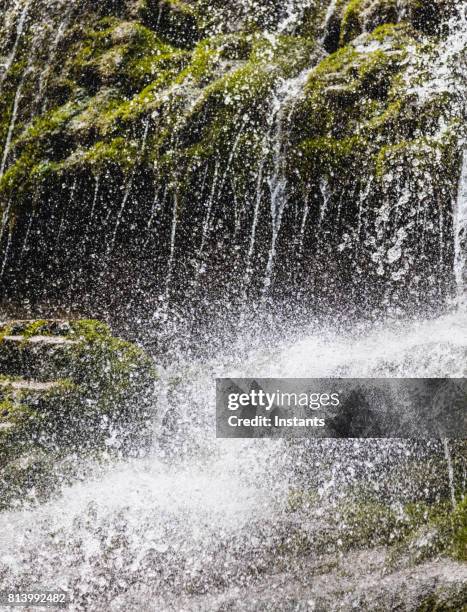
160, 130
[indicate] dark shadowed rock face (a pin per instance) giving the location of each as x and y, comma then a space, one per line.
67, 389
281, 151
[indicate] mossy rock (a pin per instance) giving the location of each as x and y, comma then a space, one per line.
445, 533
192, 97
410, 533
70, 387
153, 108
175, 20
362, 128
350, 19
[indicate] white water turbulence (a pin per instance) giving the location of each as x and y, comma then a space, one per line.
200, 523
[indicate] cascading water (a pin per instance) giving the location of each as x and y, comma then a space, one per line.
11, 127
196, 523
287, 95
460, 230
19, 32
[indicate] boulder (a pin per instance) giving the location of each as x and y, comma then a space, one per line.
69, 388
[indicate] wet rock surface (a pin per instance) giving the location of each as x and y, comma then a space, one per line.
162, 144
67, 388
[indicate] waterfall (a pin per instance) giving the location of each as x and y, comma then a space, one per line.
285, 99
19, 34
11, 127
239, 172
447, 455
460, 238
327, 18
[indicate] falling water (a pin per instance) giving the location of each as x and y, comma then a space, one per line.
207, 218
301, 235
460, 238
199, 523
287, 96
6, 253
326, 195
27, 235
63, 218
19, 34
5, 216
156, 206
14, 115
447, 454
43, 80
327, 18
200, 512
294, 10
257, 204
126, 195
94, 199
173, 235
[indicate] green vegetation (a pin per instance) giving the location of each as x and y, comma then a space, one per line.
68, 387
152, 70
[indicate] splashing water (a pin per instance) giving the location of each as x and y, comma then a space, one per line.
202, 516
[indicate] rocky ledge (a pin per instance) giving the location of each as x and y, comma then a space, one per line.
69, 390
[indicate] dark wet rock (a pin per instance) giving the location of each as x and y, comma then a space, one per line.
350, 19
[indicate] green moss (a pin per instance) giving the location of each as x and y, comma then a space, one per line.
45, 137
325, 155
358, 117
35, 328
96, 387
351, 25
444, 601
418, 531
428, 153
436, 530
122, 76
118, 151
29, 415
458, 547
358, 16
369, 16
123, 53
